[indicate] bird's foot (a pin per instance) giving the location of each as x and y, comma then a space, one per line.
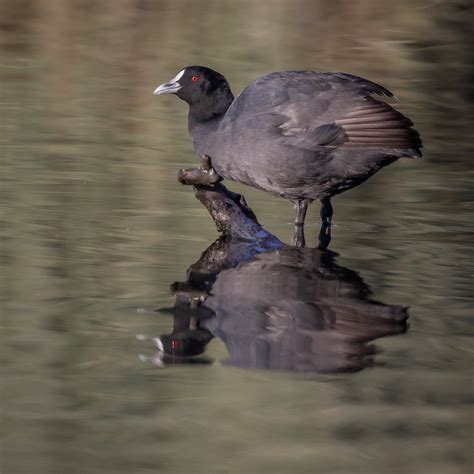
206, 164
205, 175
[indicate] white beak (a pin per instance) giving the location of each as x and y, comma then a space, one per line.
170, 87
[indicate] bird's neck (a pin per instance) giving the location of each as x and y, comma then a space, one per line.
209, 108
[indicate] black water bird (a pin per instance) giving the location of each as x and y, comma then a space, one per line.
300, 135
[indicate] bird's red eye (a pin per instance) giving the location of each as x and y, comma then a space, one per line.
194, 78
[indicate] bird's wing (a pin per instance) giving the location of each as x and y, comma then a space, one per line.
314, 110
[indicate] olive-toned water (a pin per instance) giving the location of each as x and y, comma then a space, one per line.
95, 228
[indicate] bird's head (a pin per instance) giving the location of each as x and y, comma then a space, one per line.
206, 91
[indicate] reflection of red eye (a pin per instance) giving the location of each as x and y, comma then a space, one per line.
195, 78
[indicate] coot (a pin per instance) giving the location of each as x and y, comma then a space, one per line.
301, 135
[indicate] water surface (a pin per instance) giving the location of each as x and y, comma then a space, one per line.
95, 229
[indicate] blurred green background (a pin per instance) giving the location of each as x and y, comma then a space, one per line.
95, 228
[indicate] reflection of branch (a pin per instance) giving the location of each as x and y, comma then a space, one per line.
229, 210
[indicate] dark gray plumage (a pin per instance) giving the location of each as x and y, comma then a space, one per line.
300, 135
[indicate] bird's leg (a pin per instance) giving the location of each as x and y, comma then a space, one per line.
300, 206
206, 164
326, 211
326, 218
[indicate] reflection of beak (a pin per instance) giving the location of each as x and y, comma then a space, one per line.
159, 344
168, 88
156, 359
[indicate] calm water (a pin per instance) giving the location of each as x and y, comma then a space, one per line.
95, 229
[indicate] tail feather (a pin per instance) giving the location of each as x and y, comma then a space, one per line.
377, 124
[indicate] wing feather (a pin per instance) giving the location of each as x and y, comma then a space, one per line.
317, 110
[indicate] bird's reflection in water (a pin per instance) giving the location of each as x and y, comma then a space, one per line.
284, 308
